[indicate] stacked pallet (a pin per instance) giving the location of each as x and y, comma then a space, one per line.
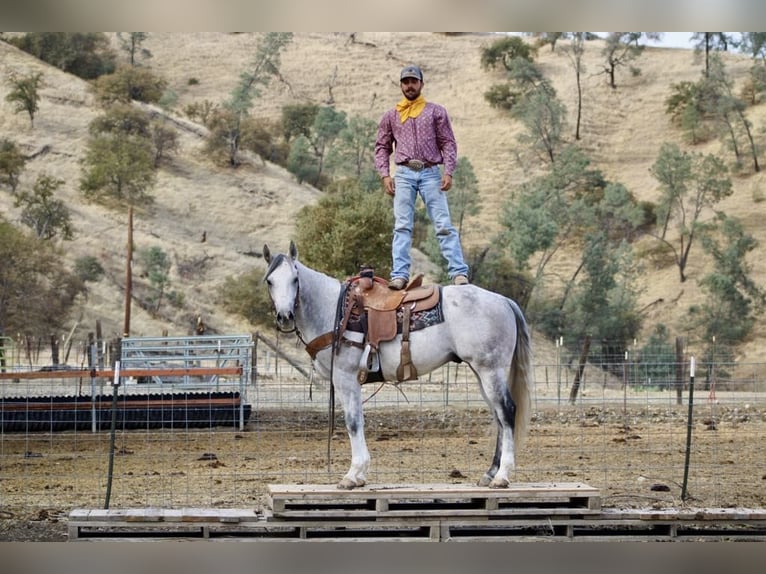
435, 512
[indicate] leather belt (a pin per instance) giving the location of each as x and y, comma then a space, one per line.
417, 165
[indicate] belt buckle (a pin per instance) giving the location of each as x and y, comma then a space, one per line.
416, 164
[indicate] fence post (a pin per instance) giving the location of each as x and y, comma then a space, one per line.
679, 370
689, 426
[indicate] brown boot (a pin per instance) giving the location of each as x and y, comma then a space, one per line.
397, 283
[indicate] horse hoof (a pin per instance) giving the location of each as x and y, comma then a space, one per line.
485, 480
348, 484
499, 483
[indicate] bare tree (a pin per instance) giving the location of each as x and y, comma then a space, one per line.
574, 52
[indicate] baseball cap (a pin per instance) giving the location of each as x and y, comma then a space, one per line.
411, 72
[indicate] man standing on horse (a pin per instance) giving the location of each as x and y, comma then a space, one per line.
419, 134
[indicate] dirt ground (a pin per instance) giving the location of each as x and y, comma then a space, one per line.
635, 457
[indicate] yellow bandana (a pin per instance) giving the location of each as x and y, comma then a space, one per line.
410, 109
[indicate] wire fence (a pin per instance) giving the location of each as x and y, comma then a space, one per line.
181, 442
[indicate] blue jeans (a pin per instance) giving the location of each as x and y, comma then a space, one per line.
427, 182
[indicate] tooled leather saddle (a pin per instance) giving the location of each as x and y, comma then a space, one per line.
380, 313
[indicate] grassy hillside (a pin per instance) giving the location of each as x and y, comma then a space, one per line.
240, 210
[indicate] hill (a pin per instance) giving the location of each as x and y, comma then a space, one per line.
240, 210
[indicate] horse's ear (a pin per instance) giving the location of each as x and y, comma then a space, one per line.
267, 253
293, 251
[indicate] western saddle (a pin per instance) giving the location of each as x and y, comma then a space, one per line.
380, 313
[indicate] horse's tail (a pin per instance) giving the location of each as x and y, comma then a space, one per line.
521, 375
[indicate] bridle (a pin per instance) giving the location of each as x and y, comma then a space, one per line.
296, 302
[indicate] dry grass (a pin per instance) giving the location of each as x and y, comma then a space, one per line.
242, 209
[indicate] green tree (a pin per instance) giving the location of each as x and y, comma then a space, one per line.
121, 156
156, 265
264, 66
245, 295
353, 155
755, 86
301, 161
41, 211
12, 163
88, 268
689, 183
128, 83
464, 197
603, 304
566, 207
298, 119
494, 270
132, 43
327, 126
656, 362
121, 120
575, 51
531, 99
734, 300
87, 55
552, 38
164, 139
346, 229
754, 44
118, 167
36, 291
543, 116
710, 42
524, 77
729, 112
25, 94
688, 105
503, 51
620, 50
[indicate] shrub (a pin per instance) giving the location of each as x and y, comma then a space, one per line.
87, 268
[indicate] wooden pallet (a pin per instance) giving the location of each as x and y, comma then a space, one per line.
431, 501
435, 512
158, 522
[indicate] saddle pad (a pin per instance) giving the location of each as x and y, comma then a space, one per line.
418, 319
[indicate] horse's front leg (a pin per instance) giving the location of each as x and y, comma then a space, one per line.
351, 398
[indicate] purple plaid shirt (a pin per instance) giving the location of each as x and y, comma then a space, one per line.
427, 137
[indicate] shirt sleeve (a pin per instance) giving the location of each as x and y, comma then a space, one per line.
384, 145
445, 140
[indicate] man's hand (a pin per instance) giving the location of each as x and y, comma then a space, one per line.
388, 185
446, 182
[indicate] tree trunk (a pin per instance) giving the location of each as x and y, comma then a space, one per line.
580, 369
128, 275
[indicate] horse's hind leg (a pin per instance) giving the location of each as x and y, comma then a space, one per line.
498, 396
492, 471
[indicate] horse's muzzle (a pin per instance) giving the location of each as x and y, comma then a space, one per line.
286, 321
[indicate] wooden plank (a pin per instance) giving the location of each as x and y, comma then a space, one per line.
552, 492
434, 513
386, 523
124, 373
153, 514
123, 403
295, 501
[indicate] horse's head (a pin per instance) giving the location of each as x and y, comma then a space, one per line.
282, 281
